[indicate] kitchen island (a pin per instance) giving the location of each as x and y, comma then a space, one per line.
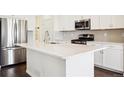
61, 60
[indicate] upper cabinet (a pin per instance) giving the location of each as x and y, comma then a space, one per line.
107, 22
67, 22
95, 22
31, 22
64, 22
85, 16
118, 21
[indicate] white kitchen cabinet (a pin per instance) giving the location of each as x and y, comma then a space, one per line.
95, 22
64, 23
113, 59
118, 21
98, 58
77, 17
105, 22
85, 16
31, 22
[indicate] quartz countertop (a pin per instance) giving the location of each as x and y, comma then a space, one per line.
63, 51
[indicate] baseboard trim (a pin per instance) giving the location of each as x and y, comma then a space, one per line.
121, 72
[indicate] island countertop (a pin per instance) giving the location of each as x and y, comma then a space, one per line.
63, 51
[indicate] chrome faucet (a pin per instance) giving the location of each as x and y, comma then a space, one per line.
46, 37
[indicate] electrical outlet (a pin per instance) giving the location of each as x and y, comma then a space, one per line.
122, 34
105, 34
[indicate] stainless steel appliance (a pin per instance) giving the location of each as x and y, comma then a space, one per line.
83, 38
84, 24
12, 31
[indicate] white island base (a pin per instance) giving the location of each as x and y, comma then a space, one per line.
40, 64
61, 60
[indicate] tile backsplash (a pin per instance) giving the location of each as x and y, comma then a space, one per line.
103, 36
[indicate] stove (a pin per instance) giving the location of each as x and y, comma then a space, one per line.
83, 38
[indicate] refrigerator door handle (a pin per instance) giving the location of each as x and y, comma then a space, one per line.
12, 33
15, 32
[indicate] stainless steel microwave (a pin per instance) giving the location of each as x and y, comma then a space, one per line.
84, 24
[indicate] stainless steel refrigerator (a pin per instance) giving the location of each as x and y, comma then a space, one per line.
12, 31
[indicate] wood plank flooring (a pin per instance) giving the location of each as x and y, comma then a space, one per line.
105, 73
19, 70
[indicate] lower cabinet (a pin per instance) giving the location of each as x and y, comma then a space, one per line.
111, 58
98, 58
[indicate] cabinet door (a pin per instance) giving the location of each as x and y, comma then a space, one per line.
118, 21
113, 59
77, 17
85, 17
31, 22
62, 22
98, 60
70, 23
66, 23
95, 22
105, 22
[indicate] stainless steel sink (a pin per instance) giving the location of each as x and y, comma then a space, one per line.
54, 43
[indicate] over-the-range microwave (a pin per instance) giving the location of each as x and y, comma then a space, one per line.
84, 24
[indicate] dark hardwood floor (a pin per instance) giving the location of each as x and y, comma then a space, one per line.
19, 70
105, 73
